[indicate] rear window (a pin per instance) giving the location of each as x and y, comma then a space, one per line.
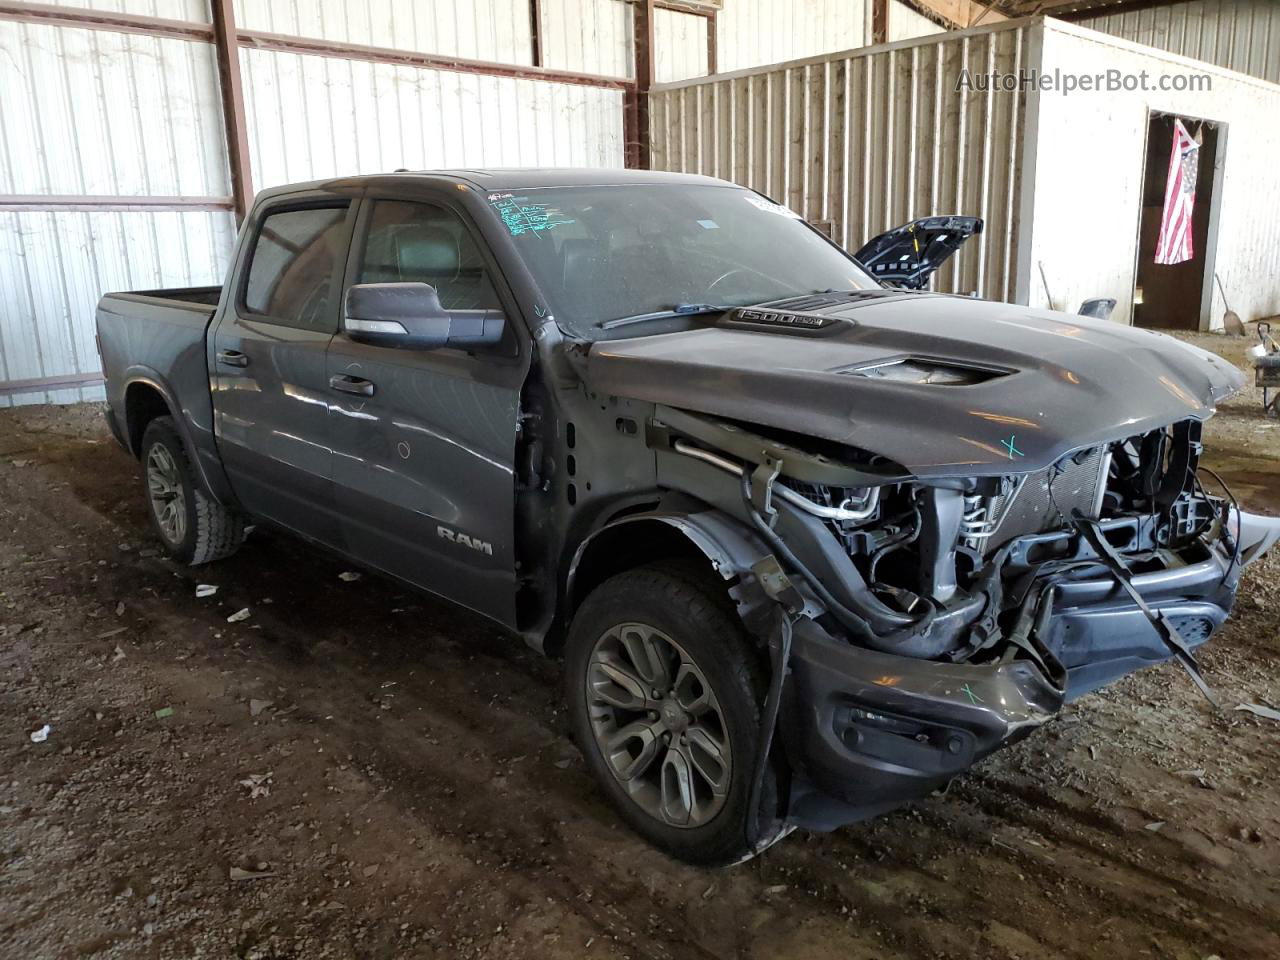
294, 260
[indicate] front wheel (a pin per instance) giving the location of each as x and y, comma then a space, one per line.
664, 693
194, 527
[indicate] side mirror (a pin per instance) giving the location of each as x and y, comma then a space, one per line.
410, 315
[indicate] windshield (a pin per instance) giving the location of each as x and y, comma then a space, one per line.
603, 253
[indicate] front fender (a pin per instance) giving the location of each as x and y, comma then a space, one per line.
729, 545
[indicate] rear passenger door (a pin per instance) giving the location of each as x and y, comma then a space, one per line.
270, 389
424, 467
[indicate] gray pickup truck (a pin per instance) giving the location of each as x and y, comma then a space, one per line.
810, 545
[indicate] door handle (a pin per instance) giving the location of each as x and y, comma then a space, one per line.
232, 358
348, 384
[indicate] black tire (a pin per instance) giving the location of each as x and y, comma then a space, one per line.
694, 612
199, 530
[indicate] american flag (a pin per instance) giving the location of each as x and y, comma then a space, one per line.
1174, 245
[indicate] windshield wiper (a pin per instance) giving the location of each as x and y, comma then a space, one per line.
679, 310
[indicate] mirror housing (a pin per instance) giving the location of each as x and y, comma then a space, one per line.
409, 315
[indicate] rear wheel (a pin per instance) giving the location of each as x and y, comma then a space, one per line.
664, 693
195, 528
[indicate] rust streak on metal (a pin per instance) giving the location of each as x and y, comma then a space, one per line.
351, 51
54, 203
52, 15
227, 48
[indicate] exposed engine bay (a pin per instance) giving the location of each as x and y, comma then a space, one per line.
966, 570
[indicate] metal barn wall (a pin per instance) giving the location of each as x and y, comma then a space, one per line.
590, 36
753, 33
680, 45
190, 10
94, 115
476, 30
1088, 177
1241, 35
79, 117
868, 139
312, 117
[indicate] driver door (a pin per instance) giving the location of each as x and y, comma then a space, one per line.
424, 439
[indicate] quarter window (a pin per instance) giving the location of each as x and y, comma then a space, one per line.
295, 257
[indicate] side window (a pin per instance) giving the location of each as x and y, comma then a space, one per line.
419, 242
291, 270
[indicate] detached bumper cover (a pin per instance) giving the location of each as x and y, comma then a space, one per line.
868, 731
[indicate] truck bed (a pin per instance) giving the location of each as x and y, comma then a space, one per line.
159, 336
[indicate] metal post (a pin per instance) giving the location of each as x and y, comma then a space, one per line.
535, 30
226, 42
640, 154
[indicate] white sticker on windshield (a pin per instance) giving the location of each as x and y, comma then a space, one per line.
760, 203
708, 225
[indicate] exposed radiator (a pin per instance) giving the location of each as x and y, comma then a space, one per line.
1029, 508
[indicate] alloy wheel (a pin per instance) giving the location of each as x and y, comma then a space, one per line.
658, 725
168, 499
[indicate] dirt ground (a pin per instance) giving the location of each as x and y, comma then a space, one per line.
401, 776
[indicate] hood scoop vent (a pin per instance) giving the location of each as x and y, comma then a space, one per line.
922, 370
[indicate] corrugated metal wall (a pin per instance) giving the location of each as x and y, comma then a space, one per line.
100, 113
1241, 35
312, 117
78, 118
1088, 199
752, 33
591, 36
680, 42
193, 10
868, 140
477, 30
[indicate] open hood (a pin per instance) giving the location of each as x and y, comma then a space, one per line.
943, 385
907, 256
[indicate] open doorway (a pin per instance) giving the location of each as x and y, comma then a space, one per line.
1176, 296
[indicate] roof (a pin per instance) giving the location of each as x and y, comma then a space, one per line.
513, 178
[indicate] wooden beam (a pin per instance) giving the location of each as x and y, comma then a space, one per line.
535, 30
879, 21
957, 14
95, 203
226, 42
639, 151
713, 44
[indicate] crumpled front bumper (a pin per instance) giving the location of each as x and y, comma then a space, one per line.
868, 731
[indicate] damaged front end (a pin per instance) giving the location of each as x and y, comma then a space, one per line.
932, 621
